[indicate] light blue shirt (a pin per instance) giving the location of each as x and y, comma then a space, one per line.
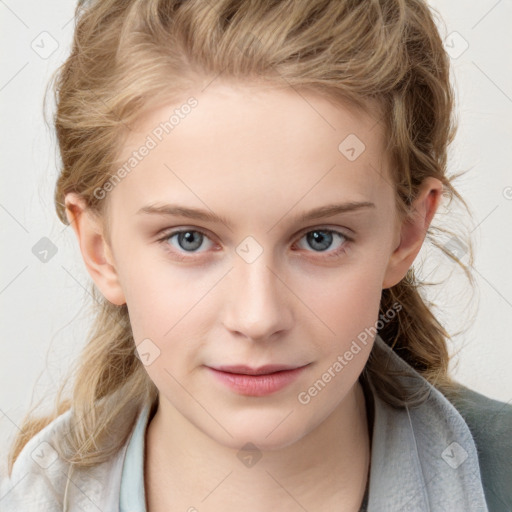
132, 497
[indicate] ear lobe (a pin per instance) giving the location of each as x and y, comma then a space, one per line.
95, 250
413, 231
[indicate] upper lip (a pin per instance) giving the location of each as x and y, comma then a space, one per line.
262, 370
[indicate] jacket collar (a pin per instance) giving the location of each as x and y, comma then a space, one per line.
423, 457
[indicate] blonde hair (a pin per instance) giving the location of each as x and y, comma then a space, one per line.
129, 55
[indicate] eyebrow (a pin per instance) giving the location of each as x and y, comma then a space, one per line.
208, 216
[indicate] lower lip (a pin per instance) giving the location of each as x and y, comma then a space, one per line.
257, 385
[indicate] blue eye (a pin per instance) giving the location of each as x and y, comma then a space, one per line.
189, 239
322, 239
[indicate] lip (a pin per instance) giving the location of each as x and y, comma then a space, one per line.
261, 381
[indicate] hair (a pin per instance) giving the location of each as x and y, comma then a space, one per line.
130, 55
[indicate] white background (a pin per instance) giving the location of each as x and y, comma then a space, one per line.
44, 305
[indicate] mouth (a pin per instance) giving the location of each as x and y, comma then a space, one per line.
261, 381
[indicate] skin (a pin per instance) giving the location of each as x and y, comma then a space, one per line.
259, 157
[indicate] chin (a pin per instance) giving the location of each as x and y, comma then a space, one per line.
267, 434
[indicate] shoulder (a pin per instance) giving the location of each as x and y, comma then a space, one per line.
38, 475
490, 423
43, 479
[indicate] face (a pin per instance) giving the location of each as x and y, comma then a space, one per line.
255, 278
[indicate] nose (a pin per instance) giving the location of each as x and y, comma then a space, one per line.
259, 303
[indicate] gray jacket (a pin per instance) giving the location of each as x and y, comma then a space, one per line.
434, 457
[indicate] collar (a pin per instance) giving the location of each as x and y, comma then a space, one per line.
423, 457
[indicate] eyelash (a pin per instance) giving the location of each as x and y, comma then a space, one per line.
180, 255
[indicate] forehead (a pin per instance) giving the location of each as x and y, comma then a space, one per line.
249, 142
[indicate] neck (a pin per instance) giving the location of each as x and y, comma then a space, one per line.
186, 467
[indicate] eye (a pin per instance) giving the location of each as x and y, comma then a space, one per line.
322, 239
185, 240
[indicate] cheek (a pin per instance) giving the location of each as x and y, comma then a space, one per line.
155, 308
170, 306
347, 302
151, 287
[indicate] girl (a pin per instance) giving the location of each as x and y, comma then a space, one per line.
285, 358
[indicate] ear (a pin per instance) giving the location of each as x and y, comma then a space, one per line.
96, 252
413, 231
